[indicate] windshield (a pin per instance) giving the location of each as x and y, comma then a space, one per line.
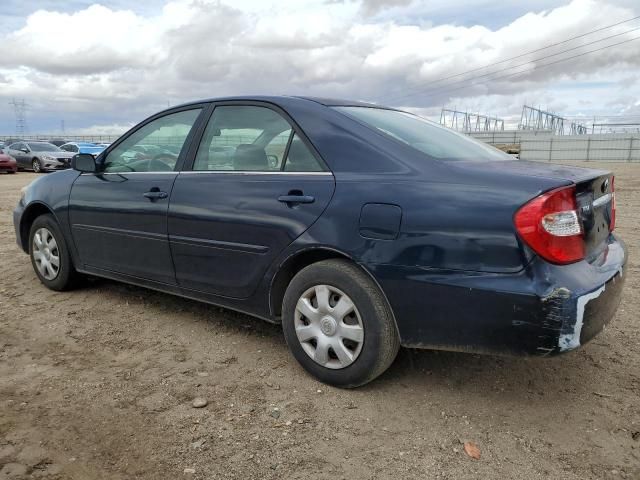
43, 147
436, 141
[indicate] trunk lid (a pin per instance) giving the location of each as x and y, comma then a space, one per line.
594, 192
549, 171
595, 198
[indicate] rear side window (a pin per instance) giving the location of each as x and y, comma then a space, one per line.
430, 138
251, 138
243, 138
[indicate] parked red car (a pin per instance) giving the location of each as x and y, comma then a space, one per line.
8, 163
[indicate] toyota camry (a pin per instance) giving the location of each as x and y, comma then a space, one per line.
356, 227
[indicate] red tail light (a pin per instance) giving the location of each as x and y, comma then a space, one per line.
612, 223
549, 224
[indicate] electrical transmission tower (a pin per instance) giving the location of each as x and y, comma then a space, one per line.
470, 122
535, 119
20, 109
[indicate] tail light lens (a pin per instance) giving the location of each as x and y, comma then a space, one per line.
612, 223
549, 224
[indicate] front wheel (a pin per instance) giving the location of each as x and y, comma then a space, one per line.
35, 164
338, 324
49, 254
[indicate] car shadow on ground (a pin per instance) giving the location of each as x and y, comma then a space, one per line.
413, 368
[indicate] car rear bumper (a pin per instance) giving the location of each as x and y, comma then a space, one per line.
543, 310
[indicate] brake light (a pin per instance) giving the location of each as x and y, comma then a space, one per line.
549, 224
612, 222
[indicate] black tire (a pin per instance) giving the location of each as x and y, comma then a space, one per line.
67, 276
381, 342
36, 166
11, 171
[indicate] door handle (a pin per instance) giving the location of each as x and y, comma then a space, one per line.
293, 198
155, 194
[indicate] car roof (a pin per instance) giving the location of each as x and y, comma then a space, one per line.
280, 99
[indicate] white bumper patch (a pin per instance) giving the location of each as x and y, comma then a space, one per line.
569, 341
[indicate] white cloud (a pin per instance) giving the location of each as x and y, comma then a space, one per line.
102, 64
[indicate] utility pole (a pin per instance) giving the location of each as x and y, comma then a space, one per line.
20, 109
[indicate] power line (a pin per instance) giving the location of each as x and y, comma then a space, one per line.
511, 67
544, 65
601, 115
536, 67
534, 51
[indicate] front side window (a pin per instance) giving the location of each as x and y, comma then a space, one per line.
430, 138
155, 147
243, 138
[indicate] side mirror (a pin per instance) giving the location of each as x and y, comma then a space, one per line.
84, 162
24, 150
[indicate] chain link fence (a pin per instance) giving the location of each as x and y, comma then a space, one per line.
543, 146
588, 148
68, 138
508, 137
536, 145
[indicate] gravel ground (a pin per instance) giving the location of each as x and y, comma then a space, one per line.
99, 383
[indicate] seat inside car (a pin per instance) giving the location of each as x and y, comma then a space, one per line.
250, 157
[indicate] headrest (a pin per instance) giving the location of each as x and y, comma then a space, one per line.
250, 157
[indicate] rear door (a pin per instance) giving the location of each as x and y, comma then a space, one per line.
256, 184
118, 216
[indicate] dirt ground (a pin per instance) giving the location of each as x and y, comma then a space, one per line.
98, 383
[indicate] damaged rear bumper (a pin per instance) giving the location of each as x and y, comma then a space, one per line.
587, 314
543, 310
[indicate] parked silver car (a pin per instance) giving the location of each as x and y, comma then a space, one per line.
40, 156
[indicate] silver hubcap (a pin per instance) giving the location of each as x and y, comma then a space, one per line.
329, 327
36, 166
46, 254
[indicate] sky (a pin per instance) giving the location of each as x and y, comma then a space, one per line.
101, 67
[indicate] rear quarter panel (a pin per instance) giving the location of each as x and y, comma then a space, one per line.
443, 225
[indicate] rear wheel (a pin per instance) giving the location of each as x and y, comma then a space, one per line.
35, 164
49, 254
338, 324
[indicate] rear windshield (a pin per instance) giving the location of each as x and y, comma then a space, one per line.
428, 137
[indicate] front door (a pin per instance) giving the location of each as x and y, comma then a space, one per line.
118, 215
256, 185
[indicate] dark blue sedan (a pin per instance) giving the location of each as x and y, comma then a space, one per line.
358, 228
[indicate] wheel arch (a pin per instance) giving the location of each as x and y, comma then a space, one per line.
303, 258
31, 212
